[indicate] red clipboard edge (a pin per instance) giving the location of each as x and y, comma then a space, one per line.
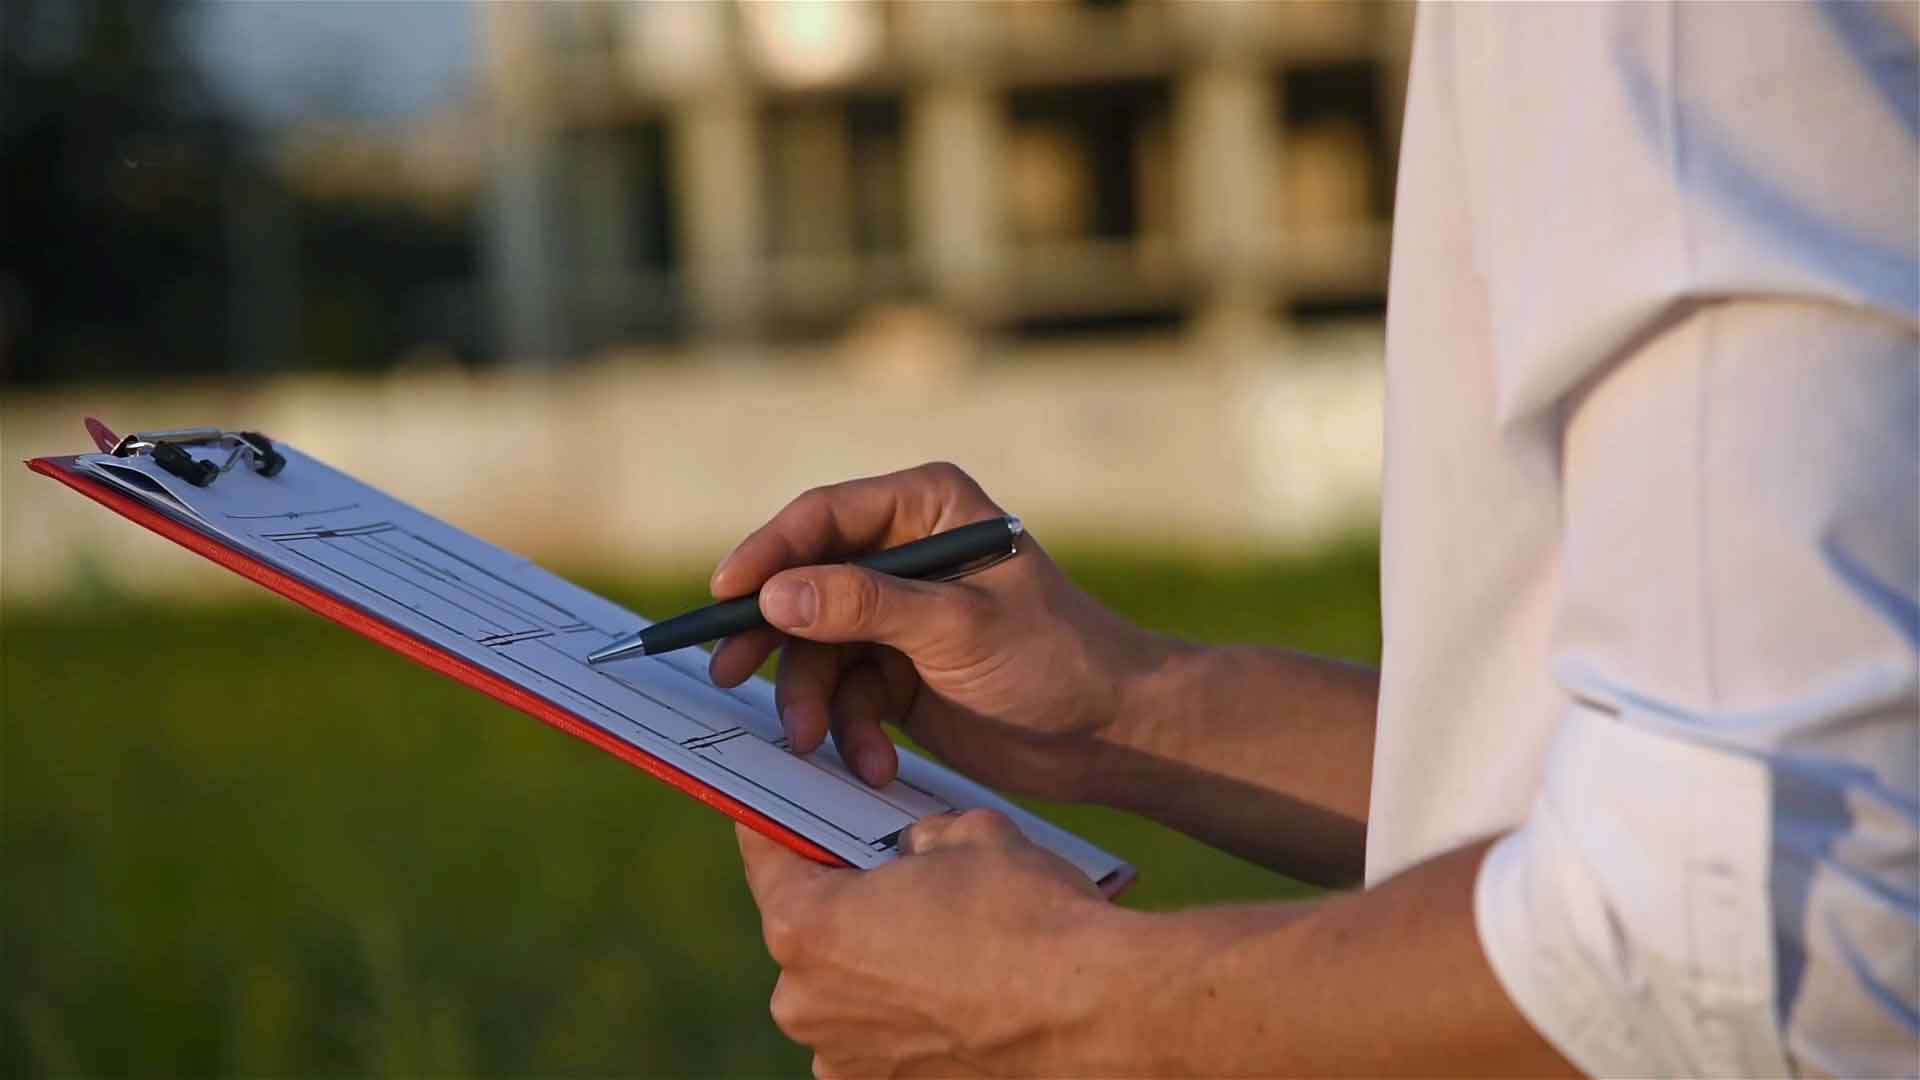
427, 656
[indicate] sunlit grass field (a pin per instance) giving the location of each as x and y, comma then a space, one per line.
242, 841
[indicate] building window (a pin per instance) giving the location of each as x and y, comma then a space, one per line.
1337, 169
1076, 171
834, 180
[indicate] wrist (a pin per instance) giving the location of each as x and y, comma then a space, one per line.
1089, 990
1165, 994
1151, 692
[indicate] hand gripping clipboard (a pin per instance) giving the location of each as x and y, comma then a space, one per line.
518, 634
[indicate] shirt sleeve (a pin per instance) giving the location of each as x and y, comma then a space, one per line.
1719, 876
1700, 231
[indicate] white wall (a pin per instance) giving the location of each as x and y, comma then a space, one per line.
626, 467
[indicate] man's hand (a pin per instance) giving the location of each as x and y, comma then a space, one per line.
1010, 674
1019, 679
979, 952
927, 966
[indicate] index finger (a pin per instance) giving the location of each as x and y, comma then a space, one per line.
840, 520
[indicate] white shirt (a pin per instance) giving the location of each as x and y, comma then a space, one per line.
1651, 563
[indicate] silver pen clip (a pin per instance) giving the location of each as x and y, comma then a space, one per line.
1015, 527
977, 565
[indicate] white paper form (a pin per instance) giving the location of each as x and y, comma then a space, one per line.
534, 629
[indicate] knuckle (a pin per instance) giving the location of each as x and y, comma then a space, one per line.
921, 835
808, 515
788, 1008
856, 599
812, 499
827, 1069
983, 824
785, 935
955, 481
945, 472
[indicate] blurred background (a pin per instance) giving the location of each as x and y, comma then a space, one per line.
608, 284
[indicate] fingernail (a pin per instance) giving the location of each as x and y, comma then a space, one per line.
713, 579
789, 604
872, 763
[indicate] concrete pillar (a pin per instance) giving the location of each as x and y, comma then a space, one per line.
954, 158
519, 222
954, 161
521, 244
1226, 139
716, 154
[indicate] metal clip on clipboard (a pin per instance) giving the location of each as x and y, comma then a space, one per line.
167, 449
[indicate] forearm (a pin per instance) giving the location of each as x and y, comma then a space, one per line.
1390, 981
1262, 752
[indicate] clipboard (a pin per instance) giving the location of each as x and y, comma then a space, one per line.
515, 632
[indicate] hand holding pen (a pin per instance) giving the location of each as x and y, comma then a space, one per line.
1010, 674
944, 556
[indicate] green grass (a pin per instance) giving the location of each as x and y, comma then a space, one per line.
240, 840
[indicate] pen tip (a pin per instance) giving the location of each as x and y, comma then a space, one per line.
619, 650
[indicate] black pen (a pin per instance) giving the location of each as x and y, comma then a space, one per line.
940, 557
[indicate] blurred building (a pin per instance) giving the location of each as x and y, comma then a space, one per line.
739, 170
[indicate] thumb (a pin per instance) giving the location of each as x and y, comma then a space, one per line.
955, 828
844, 604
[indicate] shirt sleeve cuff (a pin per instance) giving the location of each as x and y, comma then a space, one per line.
1633, 932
